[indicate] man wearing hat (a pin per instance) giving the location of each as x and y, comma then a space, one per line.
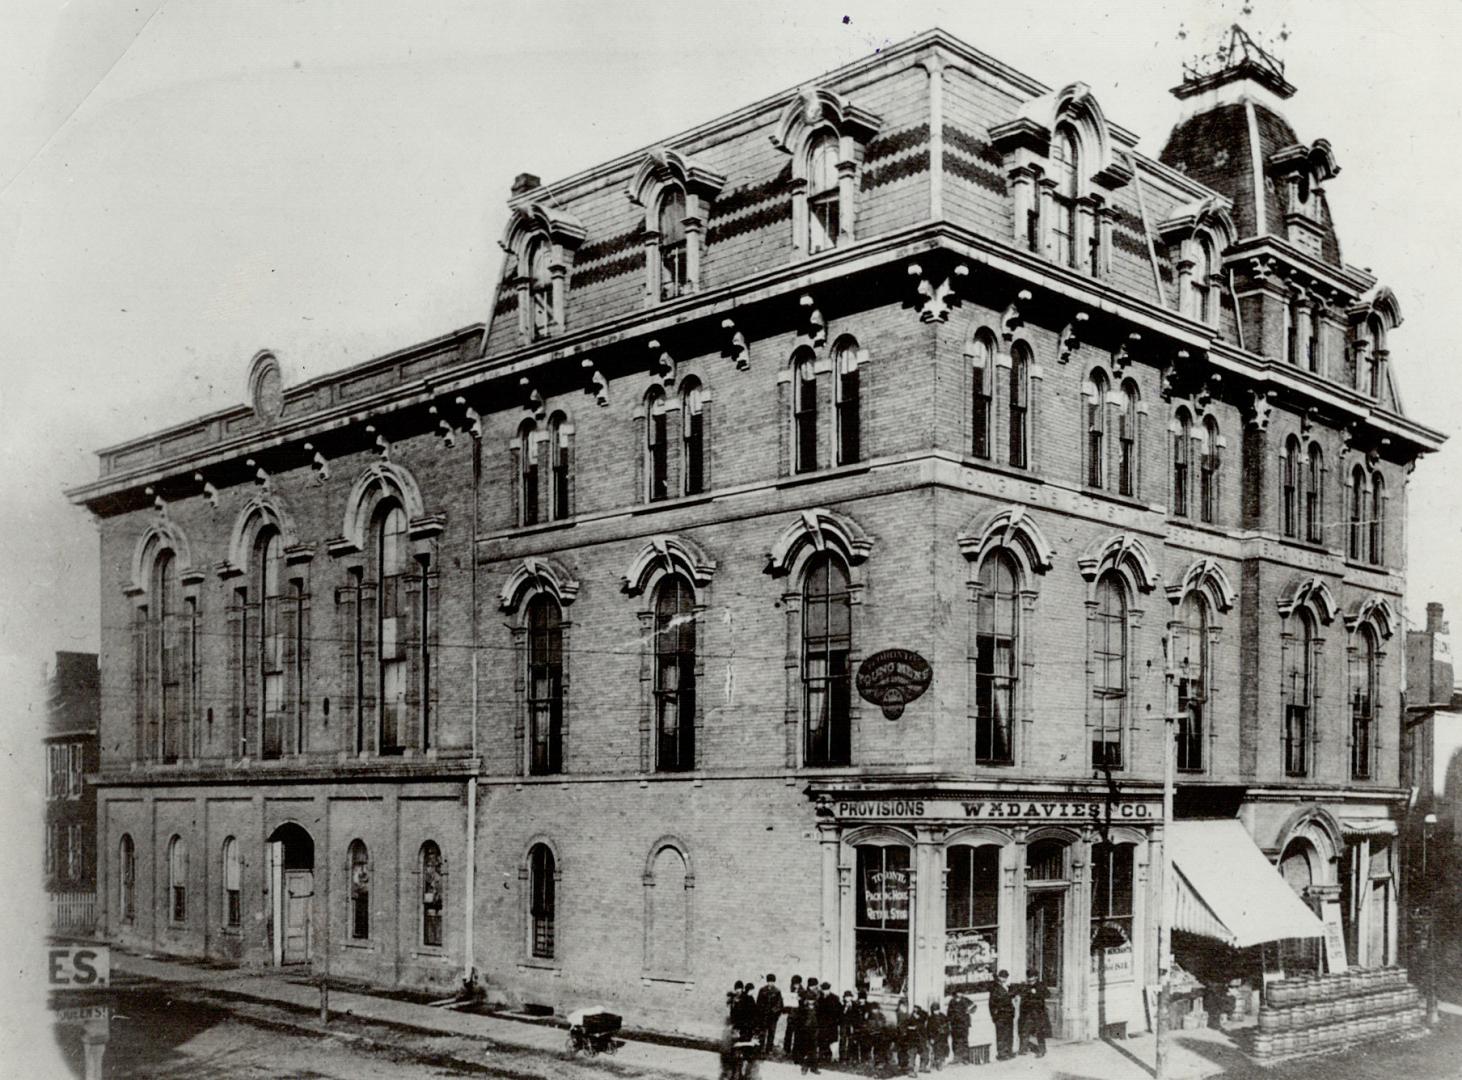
1002, 1013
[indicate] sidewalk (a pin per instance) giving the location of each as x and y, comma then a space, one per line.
1194, 1054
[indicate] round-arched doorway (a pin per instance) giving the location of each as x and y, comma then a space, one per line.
291, 859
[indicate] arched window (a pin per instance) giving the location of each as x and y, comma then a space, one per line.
540, 288
1378, 520
558, 444
845, 367
997, 661
982, 371
972, 914
1045, 860
1291, 332
881, 918
1368, 378
1201, 282
545, 685
392, 632
1364, 682
1289, 504
674, 269
232, 887
431, 894
674, 675
273, 627
177, 881
1190, 656
804, 412
1299, 690
167, 660
1111, 896
1065, 171
360, 891
1315, 496
1096, 429
1127, 455
1358, 493
541, 900
1019, 388
1182, 463
1208, 473
1109, 672
528, 474
126, 879
823, 202
827, 640
692, 437
657, 448
669, 944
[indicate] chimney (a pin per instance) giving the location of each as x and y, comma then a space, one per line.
1434, 619
524, 182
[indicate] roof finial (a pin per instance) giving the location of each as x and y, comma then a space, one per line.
1239, 55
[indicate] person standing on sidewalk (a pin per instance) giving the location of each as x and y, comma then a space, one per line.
937, 1038
794, 998
769, 1006
1035, 1022
1002, 1012
829, 1020
959, 1026
807, 1033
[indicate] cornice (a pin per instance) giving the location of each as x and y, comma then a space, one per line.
1346, 280
354, 771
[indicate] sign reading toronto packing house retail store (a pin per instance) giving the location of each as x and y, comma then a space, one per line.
995, 809
891, 678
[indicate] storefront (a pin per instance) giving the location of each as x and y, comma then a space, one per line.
925, 895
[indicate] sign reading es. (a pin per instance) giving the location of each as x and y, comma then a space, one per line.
79, 965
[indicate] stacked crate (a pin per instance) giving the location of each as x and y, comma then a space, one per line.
1321, 1014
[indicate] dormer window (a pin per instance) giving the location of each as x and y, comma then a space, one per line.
825, 135
540, 241
823, 197
540, 290
676, 192
1065, 171
1197, 236
1202, 280
674, 272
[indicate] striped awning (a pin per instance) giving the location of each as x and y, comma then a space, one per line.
1223, 887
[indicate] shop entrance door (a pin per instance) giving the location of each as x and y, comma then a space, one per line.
1045, 924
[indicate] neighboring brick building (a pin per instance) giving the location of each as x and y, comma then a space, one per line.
73, 709
532, 648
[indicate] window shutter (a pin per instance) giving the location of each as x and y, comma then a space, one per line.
370, 663
346, 601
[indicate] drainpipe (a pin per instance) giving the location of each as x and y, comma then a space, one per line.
470, 889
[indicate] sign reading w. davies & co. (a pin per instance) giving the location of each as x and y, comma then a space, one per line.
891, 678
996, 808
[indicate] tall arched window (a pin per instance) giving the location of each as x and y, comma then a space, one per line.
540, 288
674, 675
1208, 473
1127, 455
1111, 896
1364, 682
1095, 397
997, 663
541, 900
558, 447
692, 437
1019, 389
669, 929
1299, 691
1109, 672
1190, 657
360, 891
177, 880
1378, 520
232, 885
657, 446
1358, 493
823, 201
1315, 496
881, 917
1182, 463
972, 913
827, 640
1065, 171
392, 633
845, 367
674, 269
431, 894
804, 412
1368, 378
165, 719
1289, 503
126, 879
528, 474
545, 685
982, 371
1204, 305
273, 627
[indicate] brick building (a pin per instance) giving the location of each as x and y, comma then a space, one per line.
533, 648
73, 707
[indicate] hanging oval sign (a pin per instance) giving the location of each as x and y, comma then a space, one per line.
892, 678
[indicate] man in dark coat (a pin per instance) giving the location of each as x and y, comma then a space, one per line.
1002, 1012
794, 996
807, 1031
960, 1009
1035, 1022
916, 1040
829, 1020
937, 1028
847, 1029
769, 1006
745, 1017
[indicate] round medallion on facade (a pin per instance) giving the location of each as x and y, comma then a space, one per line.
892, 678
266, 387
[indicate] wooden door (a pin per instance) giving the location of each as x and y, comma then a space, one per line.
1045, 946
299, 889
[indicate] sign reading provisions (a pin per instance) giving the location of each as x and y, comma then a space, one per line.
892, 678
79, 965
995, 809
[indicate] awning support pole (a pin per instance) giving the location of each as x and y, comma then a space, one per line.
1165, 918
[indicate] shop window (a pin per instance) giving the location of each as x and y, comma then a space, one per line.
126, 879
657, 446
1182, 463
804, 415
558, 448
997, 664
982, 371
1290, 478
674, 264
1109, 670
675, 634
1190, 655
881, 919
545, 686
823, 196
826, 671
232, 889
1299, 696
1095, 396
177, 881
1111, 899
1364, 680
360, 891
1378, 520
431, 895
392, 629
1045, 860
1315, 496
1019, 405
848, 405
971, 916
542, 900
692, 437
1208, 473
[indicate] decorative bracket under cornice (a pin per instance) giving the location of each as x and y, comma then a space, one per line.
936, 296
736, 348
1070, 339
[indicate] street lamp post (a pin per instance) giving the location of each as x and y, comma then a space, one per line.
1427, 824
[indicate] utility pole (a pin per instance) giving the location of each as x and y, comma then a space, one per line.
1165, 922
1427, 824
